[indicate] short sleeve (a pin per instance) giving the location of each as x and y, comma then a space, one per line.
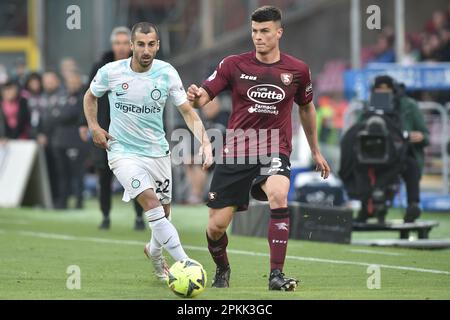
100, 84
177, 94
304, 94
219, 80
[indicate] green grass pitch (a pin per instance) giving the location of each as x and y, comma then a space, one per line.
36, 248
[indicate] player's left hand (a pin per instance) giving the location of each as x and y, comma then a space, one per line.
205, 152
321, 165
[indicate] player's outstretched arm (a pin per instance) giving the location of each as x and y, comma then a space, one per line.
198, 97
99, 136
195, 124
308, 119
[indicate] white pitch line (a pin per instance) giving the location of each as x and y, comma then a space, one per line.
241, 252
376, 252
5, 221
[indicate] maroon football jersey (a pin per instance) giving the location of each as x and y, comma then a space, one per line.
262, 98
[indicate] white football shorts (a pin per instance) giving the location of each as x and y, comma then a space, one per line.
137, 173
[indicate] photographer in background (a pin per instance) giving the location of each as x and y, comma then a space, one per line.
413, 122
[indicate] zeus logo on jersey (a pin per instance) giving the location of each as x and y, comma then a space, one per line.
126, 107
247, 77
266, 94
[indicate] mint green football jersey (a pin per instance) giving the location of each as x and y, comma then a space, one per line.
137, 102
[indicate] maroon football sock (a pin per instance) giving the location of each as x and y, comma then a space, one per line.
218, 250
278, 237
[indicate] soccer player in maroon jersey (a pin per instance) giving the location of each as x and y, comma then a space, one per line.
264, 84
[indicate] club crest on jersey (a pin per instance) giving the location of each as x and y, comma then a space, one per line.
156, 94
135, 183
125, 86
286, 78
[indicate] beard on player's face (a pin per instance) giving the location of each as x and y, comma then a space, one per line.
145, 60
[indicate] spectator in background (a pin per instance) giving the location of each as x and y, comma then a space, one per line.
69, 150
3, 79
324, 118
435, 44
412, 55
3, 139
52, 96
384, 50
36, 103
430, 48
444, 37
3, 74
20, 71
69, 65
437, 22
16, 118
120, 43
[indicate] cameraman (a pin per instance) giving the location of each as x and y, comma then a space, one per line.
413, 122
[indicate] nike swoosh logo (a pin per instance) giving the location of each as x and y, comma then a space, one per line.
120, 94
167, 240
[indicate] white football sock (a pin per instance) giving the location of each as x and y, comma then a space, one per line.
165, 233
155, 247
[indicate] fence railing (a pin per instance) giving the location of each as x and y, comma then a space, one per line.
436, 156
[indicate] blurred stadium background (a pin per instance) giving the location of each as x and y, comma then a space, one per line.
413, 45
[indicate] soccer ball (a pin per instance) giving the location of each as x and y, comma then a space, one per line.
187, 278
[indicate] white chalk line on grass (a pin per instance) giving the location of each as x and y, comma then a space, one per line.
376, 252
233, 251
6, 221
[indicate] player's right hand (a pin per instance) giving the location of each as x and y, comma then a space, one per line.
193, 92
100, 138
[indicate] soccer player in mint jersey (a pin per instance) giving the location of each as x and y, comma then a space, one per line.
264, 84
139, 89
